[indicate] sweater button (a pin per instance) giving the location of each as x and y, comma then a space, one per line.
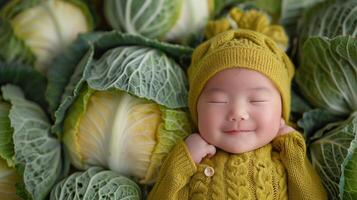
209, 171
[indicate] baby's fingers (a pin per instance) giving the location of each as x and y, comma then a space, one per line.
211, 150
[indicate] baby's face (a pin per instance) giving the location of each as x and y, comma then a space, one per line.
239, 110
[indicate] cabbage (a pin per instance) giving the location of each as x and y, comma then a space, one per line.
291, 12
35, 31
30, 156
122, 132
96, 183
34, 152
334, 156
31, 82
6, 143
329, 19
63, 67
124, 107
8, 179
67, 70
172, 20
68, 82
327, 76
8, 175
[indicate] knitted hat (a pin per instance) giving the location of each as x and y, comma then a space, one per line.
240, 48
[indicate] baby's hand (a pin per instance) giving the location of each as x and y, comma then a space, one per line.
284, 129
199, 148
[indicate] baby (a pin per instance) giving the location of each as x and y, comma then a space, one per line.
239, 98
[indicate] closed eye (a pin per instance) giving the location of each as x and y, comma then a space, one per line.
258, 101
218, 102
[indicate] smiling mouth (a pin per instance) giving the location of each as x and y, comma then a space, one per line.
234, 132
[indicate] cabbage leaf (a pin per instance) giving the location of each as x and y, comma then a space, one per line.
96, 183
37, 155
327, 76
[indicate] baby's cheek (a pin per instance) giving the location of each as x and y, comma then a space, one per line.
269, 123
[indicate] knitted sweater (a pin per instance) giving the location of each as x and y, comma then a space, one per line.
279, 170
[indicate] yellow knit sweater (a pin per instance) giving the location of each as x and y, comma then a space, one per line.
279, 170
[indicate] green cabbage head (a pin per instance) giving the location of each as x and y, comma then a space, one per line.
172, 20
129, 112
96, 183
327, 75
334, 156
329, 19
35, 31
31, 157
122, 132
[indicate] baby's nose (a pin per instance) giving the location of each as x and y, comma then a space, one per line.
238, 116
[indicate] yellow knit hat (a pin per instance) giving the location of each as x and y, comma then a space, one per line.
240, 48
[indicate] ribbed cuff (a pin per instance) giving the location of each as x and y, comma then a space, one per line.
180, 161
290, 142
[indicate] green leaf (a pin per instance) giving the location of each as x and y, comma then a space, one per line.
298, 103
32, 82
176, 126
314, 120
6, 144
37, 30
12, 48
114, 39
96, 183
71, 93
291, 12
37, 154
330, 18
142, 71
152, 19
348, 184
102, 44
64, 65
331, 156
327, 75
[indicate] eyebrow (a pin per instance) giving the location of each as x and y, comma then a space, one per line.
212, 90
260, 89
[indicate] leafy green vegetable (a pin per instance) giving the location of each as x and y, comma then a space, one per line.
127, 134
103, 43
163, 19
96, 183
333, 155
329, 19
327, 75
64, 65
141, 71
37, 156
6, 143
32, 82
126, 90
291, 12
34, 31
315, 119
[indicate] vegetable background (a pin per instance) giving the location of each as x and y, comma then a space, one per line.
93, 93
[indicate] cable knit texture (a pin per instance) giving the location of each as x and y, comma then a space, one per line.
253, 20
279, 170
